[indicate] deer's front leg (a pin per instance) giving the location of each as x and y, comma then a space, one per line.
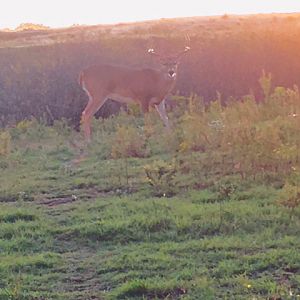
161, 109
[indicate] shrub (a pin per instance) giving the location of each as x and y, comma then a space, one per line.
128, 142
290, 196
244, 137
161, 177
5, 143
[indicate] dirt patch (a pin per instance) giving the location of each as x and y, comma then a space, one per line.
79, 194
14, 197
58, 201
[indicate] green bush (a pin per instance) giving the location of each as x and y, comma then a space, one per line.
5, 143
161, 176
128, 141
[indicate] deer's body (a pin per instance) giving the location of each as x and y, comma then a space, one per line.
147, 87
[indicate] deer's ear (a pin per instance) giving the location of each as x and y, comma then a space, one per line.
154, 53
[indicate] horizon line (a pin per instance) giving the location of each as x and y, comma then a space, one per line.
150, 20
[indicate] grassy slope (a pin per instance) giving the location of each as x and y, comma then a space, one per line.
225, 24
89, 231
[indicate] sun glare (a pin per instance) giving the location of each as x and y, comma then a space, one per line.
57, 13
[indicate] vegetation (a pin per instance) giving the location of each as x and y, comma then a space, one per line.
39, 68
208, 211
31, 26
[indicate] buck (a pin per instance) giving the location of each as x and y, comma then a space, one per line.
146, 87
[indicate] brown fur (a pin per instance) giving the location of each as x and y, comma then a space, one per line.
144, 86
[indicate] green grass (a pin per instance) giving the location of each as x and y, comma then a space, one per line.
95, 230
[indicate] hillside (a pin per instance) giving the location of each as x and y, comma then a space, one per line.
208, 211
39, 68
212, 25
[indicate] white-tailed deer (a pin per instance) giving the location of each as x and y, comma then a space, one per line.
147, 87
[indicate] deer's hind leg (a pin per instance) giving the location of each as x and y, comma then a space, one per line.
92, 107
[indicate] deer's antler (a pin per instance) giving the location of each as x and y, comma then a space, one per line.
186, 48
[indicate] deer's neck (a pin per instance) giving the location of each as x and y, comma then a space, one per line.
170, 81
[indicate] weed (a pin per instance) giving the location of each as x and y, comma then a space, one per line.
161, 177
5, 143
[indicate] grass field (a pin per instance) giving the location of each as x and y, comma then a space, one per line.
107, 226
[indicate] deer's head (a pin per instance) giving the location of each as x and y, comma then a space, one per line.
169, 64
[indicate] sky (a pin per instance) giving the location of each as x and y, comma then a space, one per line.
62, 13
